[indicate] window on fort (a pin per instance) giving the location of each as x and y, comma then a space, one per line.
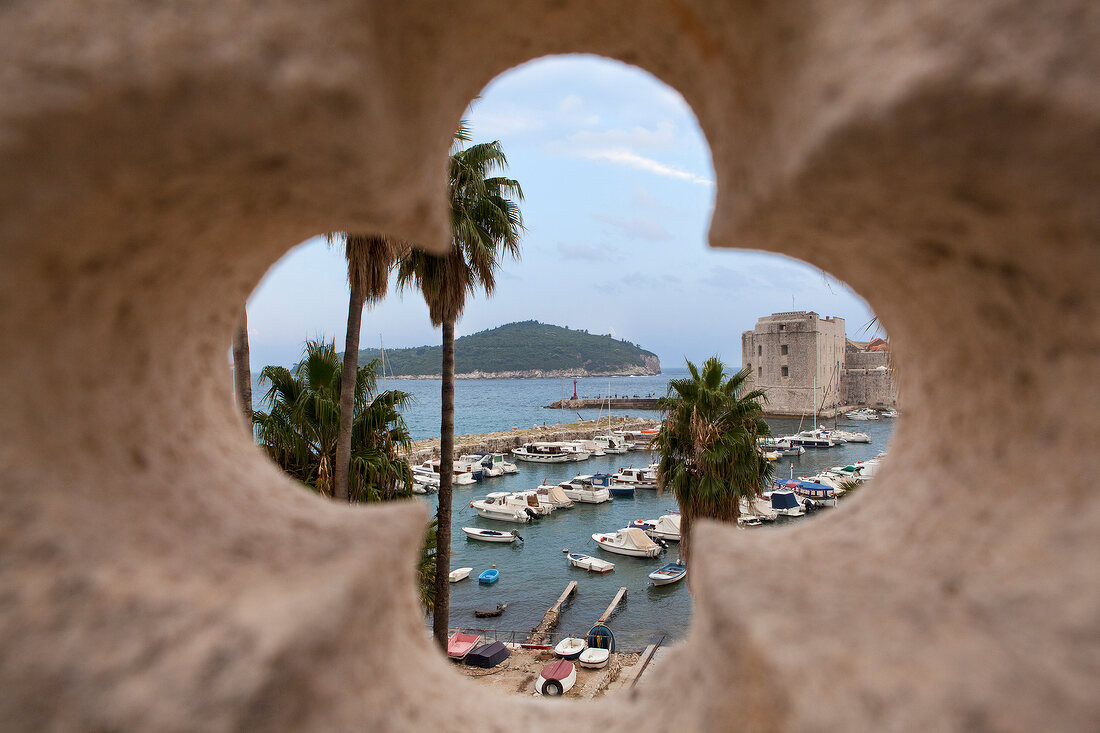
636, 215
783, 349
759, 350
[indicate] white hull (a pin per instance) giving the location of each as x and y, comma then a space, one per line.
606, 544
502, 515
593, 564
459, 574
548, 458
588, 497
475, 533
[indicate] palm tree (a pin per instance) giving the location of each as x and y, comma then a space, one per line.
708, 445
369, 259
299, 431
486, 224
242, 371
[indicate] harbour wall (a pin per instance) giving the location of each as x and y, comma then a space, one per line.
594, 403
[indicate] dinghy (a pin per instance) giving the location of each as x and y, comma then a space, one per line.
460, 644
594, 658
569, 648
491, 535
671, 573
489, 577
490, 611
557, 678
632, 542
600, 636
487, 655
587, 562
459, 574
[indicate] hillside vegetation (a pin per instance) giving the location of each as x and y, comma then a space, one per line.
528, 348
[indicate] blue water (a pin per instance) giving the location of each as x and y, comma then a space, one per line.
535, 572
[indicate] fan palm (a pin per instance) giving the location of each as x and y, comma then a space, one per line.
486, 225
369, 260
300, 429
708, 445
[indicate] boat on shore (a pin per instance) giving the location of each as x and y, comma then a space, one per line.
594, 658
587, 562
569, 648
460, 644
556, 678
491, 535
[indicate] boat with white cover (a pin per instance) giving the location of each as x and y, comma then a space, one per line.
667, 527
496, 506
541, 453
587, 562
491, 535
531, 500
555, 496
628, 541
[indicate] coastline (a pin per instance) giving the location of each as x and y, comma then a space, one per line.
533, 374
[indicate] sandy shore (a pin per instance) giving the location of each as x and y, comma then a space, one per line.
517, 674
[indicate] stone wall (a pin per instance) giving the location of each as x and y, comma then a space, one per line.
869, 388
156, 159
809, 348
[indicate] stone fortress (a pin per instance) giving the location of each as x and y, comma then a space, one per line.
803, 361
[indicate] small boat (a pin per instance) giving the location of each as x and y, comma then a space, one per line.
426, 477
497, 506
667, 527
541, 453
460, 644
489, 577
490, 611
671, 573
569, 648
531, 499
587, 562
594, 658
459, 574
491, 535
487, 655
600, 636
631, 542
556, 678
782, 446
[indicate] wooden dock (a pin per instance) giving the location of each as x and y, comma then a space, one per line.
550, 618
611, 609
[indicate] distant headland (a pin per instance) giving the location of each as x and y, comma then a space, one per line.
523, 350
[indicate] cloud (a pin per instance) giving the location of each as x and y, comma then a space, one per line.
639, 227
585, 252
663, 137
640, 162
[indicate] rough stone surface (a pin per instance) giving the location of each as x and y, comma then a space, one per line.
156, 573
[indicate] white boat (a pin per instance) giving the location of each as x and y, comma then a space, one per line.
639, 478
628, 541
491, 535
459, 574
572, 448
496, 506
671, 573
541, 453
816, 438
555, 495
531, 500
785, 502
461, 478
667, 527
569, 648
594, 658
864, 413
611, 443
639, 439
490, 464
850, 436
556, 678
589, 446
424, 485
782, 446
587, 489
425, 476
759, 508
889, 413
587, 562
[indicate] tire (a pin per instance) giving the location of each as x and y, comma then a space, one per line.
552, 688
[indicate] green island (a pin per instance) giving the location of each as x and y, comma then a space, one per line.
524, 349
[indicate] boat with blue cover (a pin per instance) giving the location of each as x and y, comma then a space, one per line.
489, 577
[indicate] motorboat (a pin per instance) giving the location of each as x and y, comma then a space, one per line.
667, 527
639, 478
541, 453
668, 574
496, 506
461, 478
782, 446
588, 489
460, 644
556, 678
420, 488
639, 439
489, 576
785, 502
865, 413
889, 413
555, 496
610, 443
459, 574
628, 541
573, 449
812, 492
849, 436
490, 464
594, 658
569, 648
587, 562
617, 489
530, 499
816, 438
491, 535
587, 446
426, 477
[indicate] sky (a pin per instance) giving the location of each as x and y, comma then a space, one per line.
618, 190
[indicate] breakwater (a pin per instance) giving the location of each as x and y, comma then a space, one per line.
595, 403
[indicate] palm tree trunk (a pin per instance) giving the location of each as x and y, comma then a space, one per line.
441, 616
242, 370
340, 487
685, 536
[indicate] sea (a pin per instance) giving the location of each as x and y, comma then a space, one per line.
533, 573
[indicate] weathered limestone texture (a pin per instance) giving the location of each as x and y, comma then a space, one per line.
156, 573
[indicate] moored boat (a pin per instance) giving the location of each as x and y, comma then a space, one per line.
588, 489
628, 541
639, 478
459, 574
667, 527
611, 443
491, 535
541, 453
555, 496
668, 574
496, 506
616, 489
587, 562
785, 502
488, 577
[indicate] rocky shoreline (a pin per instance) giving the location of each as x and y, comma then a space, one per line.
538, 374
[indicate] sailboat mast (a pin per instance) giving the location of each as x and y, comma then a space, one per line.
382, 346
